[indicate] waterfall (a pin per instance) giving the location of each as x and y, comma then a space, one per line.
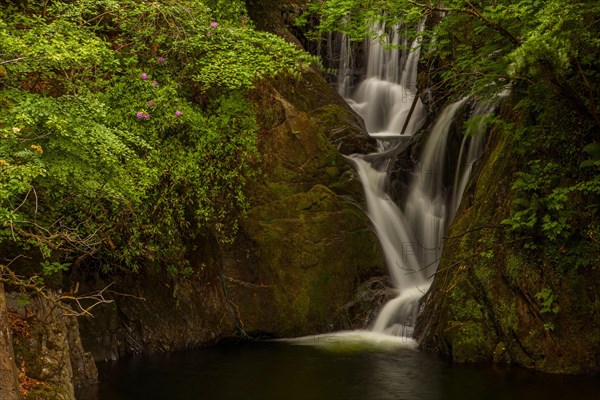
410, 233
470, 151
345, 67
385, 97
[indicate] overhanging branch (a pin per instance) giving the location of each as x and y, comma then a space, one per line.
473, 11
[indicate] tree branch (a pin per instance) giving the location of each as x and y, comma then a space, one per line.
14, 60
34, 285
473, 11
593, 111
479, 228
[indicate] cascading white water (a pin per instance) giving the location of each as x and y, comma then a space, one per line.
410, 234
384, 98
345, 67
470, 151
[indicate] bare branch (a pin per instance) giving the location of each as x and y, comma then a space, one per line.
475, 230
246, 284
14, 60
33, 285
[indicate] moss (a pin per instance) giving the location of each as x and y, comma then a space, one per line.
312, 248
296, 151
47, 392
485, 269
515, 266
500, 353
470, 343
346, 134
506, 312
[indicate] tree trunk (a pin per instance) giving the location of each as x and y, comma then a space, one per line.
9, 380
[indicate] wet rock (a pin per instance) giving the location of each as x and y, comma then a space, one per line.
482, 306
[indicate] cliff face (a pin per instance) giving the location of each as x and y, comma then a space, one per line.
493, 301
300, 255
309, 242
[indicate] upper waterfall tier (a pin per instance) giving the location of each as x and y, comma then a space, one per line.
384, 98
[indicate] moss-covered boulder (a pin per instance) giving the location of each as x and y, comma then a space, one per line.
306, 245
493, 301
311, 251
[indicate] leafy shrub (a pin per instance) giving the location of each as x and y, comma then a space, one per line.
124, 130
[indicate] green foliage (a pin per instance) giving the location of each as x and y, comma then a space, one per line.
548, 305
124, 128
232, 59
539, 199
50, 268
356, 18
547, 301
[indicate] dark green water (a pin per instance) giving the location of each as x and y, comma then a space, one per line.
283, 371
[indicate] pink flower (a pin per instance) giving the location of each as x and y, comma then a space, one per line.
146, 115
144, 76
214, 24
151, 103
154, 83
161, 60
178, 113
139, 115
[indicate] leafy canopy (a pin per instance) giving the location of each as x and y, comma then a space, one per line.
124, 128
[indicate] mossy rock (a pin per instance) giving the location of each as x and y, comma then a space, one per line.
470, 342
306, 244
484, 293
312, 251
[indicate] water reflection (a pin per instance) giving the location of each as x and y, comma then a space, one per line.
285, 371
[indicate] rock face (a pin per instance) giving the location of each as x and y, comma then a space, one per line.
48, 350
308, 244
301, 253
156, 313
311, 245
487, 303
